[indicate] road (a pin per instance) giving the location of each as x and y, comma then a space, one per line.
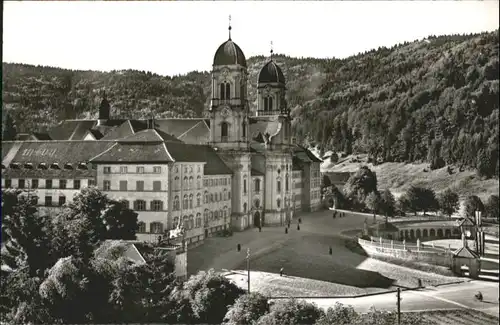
454, 296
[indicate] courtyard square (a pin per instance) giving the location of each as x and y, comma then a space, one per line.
304, 254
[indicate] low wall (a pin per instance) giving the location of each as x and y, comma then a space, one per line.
407, 252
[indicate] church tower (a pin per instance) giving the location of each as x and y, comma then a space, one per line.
229, 106
229, 124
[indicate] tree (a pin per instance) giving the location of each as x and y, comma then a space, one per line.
359, 185
373, 202
247, 309
288, 312
209, 295
472, 204
492, 206
484, 164
9, 129
448, 202
340, 315
27, 234
421, 199
388, 204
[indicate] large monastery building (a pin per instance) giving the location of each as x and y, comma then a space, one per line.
238, 168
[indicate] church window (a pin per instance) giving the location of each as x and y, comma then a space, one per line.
224, 130
244, 129
191, 201
190, 181
257, 185
278, 185
222, 91
185, 185
244, 186
268, 103
198, 199
286, 183
185, 201
228, 91
225, 90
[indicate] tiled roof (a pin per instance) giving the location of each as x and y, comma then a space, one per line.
198, 153
144, 152
176, 127
60, 152
198, 134
149, 135
81, 129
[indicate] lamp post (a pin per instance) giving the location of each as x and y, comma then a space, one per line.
248, 268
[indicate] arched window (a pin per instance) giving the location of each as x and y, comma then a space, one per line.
228, 90
220, 196
190, 201
198, 181
211, 216
216, 214
140, 205
156, 205
270, 99
224, 130
222, 91
198, 199
220, 213
176, 183
257, 185
176, 203
185, 184
185, 201
278, 185
244, 207
245, 185
191, 181
206, 197
244, 129
257, 203
185, 221
141, 227
286, 183
268, 103
191, 222
225, 195
176, 222
156, 227
205, 215
211, 197
198, 220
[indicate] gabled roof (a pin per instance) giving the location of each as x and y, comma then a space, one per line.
144, 152
122, 131
198, 134
466, 252
177, 126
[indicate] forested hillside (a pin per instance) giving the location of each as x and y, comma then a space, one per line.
432, 100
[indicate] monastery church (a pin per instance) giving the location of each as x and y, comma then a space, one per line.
237, 169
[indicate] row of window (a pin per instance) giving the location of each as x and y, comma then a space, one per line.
49, 184
187, 169
123, 186
125, 170
315, 195
315, 182
217, 182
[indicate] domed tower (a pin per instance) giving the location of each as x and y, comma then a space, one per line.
229, 107
271, 90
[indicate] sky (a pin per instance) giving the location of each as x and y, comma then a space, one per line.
175, 37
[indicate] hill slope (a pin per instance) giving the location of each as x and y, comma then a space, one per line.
433, 100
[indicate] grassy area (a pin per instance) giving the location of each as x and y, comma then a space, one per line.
399, 176
459, 317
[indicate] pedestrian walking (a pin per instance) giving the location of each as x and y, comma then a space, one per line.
286, 230
331, 251
281, 272
298, 227
300, 220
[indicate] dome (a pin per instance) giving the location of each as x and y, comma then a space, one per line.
229, 53
271, 72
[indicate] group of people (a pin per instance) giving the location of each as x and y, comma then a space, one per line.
341, 214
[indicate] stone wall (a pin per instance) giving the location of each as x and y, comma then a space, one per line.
410, 253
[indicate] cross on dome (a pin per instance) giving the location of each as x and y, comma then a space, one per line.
229, 27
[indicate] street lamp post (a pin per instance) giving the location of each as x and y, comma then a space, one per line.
248, 268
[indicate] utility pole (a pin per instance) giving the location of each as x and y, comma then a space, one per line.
248, 268
398, 295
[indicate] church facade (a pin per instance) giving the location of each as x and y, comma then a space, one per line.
237, 169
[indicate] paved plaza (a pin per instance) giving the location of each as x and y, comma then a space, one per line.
304, 254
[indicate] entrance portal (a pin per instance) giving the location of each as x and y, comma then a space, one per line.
256, 219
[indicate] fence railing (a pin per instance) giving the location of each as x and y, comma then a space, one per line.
393, 244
